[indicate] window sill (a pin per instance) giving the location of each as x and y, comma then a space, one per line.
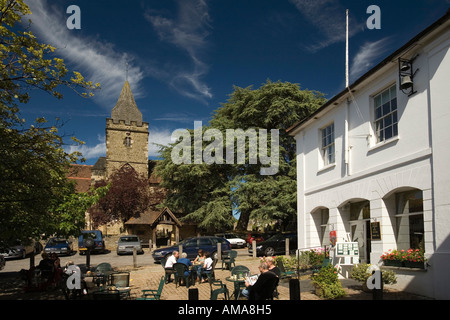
326, 168
384, 143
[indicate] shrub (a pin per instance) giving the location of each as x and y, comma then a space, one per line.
327, 283
361, 273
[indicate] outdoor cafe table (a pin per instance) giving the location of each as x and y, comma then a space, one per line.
238, 282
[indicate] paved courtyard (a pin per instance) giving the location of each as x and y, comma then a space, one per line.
148, 277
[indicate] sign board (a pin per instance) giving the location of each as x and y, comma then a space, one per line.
347, 249
375, 231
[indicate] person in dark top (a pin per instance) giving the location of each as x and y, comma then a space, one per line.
271, 264
264, 287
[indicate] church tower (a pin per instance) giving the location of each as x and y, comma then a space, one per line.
126, 135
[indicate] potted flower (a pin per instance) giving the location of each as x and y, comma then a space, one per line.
411, 258
414, 258
393, 258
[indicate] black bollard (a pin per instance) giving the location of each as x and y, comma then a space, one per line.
294, 289
377, 293
193, 294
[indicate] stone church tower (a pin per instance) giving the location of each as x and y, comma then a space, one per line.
126, 135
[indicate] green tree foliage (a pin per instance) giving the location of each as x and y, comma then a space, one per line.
33, 163
208, 194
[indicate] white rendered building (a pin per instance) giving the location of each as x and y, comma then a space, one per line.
377, 153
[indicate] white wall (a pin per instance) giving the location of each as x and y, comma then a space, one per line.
419, 157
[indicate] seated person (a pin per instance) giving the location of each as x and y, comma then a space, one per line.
263, 287
206, 268
186, 261
200, 259
170, 262
47, 267
271, 264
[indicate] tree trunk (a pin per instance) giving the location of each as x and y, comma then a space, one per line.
243, 221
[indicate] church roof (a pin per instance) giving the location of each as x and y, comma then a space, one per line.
126, 108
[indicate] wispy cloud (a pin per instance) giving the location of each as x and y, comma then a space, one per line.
188, 32
367, 56
328, 16
90, 152
98, 61
158, 136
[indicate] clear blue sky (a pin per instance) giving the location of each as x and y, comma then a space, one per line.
185, 56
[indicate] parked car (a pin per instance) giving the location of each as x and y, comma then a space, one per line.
126, 244
235, 241
275, 245
19, 250
191, 247
2, 262
254, 236
97, 236
60, 246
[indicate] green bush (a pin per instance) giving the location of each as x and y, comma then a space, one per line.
360, 273
327, 283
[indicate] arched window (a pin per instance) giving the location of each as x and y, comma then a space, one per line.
409, 220
127, 142
321, 217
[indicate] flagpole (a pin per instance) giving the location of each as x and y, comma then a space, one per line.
346, 52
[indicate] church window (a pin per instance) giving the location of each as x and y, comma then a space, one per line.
127, 142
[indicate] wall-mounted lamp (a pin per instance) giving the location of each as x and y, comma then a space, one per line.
406, 75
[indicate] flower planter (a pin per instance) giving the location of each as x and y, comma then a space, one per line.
393, 263
412, 264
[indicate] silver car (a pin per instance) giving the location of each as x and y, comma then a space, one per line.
126, 244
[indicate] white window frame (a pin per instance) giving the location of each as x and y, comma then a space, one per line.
380, 127
325, 145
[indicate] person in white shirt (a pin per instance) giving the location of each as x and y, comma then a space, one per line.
170, 262
207, 267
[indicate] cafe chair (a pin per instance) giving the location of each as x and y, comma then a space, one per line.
181, 272
229, 259
102, 273
283, 272
217, 287
168, 272
149, 294
239, 272
121, 282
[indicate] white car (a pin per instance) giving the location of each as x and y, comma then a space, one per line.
234, 240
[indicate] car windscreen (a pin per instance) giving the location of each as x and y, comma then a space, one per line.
53, 242
128, 239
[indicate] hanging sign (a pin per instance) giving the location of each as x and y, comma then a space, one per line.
375, 231
333, 237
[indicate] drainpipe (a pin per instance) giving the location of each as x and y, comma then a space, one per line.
346, 143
